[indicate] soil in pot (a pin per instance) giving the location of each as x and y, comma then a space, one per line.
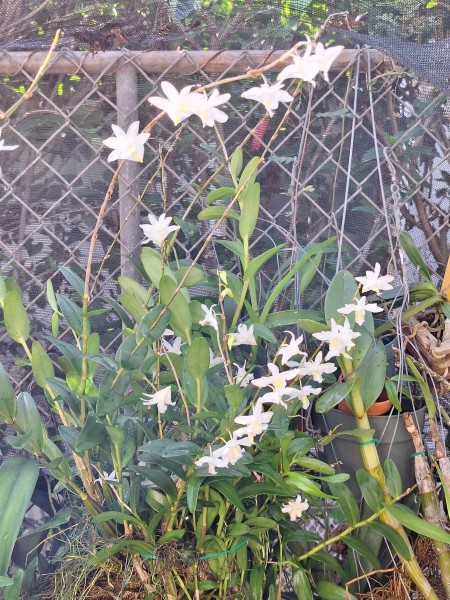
394, 442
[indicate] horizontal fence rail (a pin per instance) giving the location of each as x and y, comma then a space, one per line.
181, 62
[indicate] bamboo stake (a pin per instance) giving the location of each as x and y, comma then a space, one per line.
441, 454
428, 498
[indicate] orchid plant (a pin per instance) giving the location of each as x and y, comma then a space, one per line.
183, 447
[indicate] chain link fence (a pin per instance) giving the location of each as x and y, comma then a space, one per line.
329, 171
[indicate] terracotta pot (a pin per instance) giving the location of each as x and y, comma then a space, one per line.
380, 407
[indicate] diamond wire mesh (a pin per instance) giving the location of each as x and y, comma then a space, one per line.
325, 174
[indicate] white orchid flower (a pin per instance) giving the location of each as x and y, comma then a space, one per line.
269, 95
304, 392
255, 423
316, 368
243, 336
339, 339
208, 111
158, 229
373, 282
129, 145
242, 378
295, 508
326, 57
178, 105
233, 450
175, 347
359, 307
277, 379
304, 67
210, 317
162, 399
213, 462
287, 351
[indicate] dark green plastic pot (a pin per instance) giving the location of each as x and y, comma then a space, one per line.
395, 443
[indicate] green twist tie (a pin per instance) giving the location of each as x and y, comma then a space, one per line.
367, 442
417, 454
233, 549
208, 556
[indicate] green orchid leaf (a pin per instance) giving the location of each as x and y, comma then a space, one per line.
159, 478
255, 265
195, 275
393, 478
370, 489
248, 177
133, 288
180, 314
236, 162
234, 246
13, 592
71, 312
8, 405
325, 558
393, 537
129, 355
18, 477
413, 254
92, 435
333, 395
71, 353
219, 194
346, 501
303, 483
294, 316
429, 400
152, 262
217, 212
41, 365
198, 359
153, 325
341, 291
28, 419
73, 279
249, 211
51, 298
193, 487
16, 318
230, 493
301, 585
406, 517
363, 549
331, 591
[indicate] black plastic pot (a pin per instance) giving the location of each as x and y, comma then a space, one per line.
395, 443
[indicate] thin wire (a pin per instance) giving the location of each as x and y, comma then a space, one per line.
350, 161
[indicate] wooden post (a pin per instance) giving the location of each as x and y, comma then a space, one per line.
127, 113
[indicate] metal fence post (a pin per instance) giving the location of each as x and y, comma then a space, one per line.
127, 113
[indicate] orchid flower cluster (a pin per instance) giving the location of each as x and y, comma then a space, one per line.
187, 102
340, 341
278, 387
